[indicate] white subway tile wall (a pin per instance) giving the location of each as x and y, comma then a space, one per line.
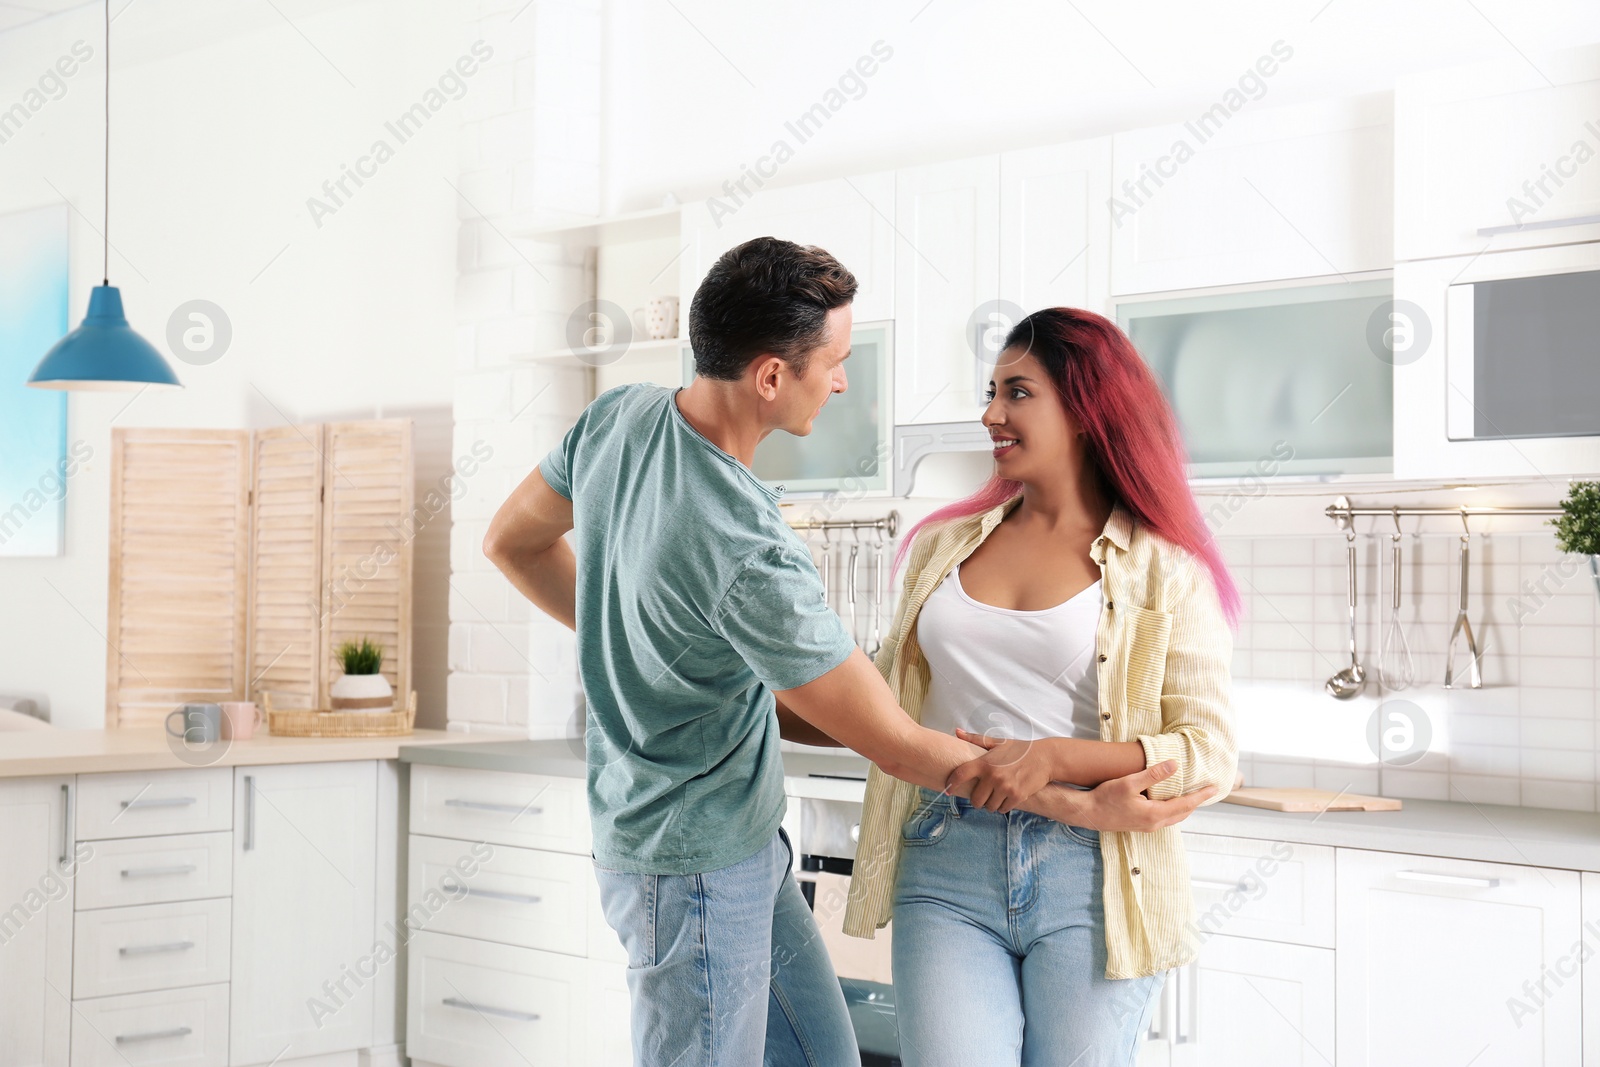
1528, 737
529, 157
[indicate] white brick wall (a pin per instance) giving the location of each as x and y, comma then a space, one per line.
529, 156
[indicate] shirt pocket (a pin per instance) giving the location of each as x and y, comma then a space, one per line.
1146, 635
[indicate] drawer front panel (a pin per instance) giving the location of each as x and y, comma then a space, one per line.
172, 1028
150, 947
1270, 890
493, 1005
525, 810
515, 896
149, 803
154, 870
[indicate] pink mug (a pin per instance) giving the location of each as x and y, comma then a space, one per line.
240, 719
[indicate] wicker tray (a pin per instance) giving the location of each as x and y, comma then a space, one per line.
310, 722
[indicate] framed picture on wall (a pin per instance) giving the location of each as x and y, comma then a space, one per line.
33, 422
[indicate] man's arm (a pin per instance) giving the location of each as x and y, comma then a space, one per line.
853, 704
526, 541
792, 727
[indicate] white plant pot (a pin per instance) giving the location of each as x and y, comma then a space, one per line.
356, 692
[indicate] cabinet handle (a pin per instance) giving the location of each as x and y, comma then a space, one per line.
1184, 1032
520, 1016
150, 950
483, 805
153, 1035
159, 802
66, 822
249, 812
1212, 883
1447, 879
1540, 224
495, 894
155, 872
1158, 1018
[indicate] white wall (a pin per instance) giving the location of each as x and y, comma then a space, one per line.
698, 89
226, 118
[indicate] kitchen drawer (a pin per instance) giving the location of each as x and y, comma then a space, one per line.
148, 803
174, 1028
526, 810
474, 1002
515, 896
1270, 890
152, 946
152, 870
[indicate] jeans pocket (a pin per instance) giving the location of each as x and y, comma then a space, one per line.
927, 824
1083, 834
628, 902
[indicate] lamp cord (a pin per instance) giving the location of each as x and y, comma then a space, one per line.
105, 234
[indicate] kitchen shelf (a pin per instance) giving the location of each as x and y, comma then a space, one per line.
635, 350
645, 225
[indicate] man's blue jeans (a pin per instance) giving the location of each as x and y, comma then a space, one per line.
727, 968
1000, 945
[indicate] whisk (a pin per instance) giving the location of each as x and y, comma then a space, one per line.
1396, 669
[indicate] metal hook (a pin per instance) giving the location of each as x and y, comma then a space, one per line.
1466, 531
1397, 531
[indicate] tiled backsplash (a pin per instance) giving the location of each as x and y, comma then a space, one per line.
1527, 737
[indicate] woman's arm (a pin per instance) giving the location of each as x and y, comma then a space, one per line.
1197, 727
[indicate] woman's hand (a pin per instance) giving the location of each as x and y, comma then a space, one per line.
1007, 774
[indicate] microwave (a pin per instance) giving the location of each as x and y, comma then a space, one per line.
1497, 364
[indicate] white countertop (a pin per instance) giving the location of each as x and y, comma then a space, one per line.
46, 752
1537, 837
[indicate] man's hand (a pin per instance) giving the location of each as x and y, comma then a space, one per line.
1121, 804
1007, 774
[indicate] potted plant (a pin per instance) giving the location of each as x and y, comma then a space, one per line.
1578, 528
361, 687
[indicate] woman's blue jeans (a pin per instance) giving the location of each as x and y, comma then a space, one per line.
1000, 945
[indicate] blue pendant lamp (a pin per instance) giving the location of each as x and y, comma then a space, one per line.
104, 353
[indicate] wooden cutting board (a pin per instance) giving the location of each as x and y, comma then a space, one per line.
1286, 799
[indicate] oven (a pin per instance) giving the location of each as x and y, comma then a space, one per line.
828, 829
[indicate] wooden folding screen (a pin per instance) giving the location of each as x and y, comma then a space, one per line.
240, 561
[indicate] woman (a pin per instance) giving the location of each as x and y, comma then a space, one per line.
1071, 618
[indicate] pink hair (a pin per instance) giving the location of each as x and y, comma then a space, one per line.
1130, 430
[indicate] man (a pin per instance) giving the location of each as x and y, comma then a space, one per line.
696, 606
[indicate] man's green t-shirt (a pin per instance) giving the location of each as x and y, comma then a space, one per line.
695, 601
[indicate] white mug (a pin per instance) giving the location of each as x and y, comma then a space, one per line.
660, 318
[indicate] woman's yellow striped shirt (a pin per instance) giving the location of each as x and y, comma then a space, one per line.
1165, 654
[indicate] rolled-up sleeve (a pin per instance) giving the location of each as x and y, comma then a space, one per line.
1196, 715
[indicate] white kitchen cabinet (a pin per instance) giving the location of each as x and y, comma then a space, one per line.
37, 858
482, 1004
1258, 196
1252, 1003
1485, 149
1055, 226
185, 1027
1591, 970
1436, 958
853, 218
947, 273
1271, 890
304, 911
609, 1008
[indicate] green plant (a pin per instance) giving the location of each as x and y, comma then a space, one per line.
361, 658
1578, 528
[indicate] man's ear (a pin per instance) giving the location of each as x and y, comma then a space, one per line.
768, 371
